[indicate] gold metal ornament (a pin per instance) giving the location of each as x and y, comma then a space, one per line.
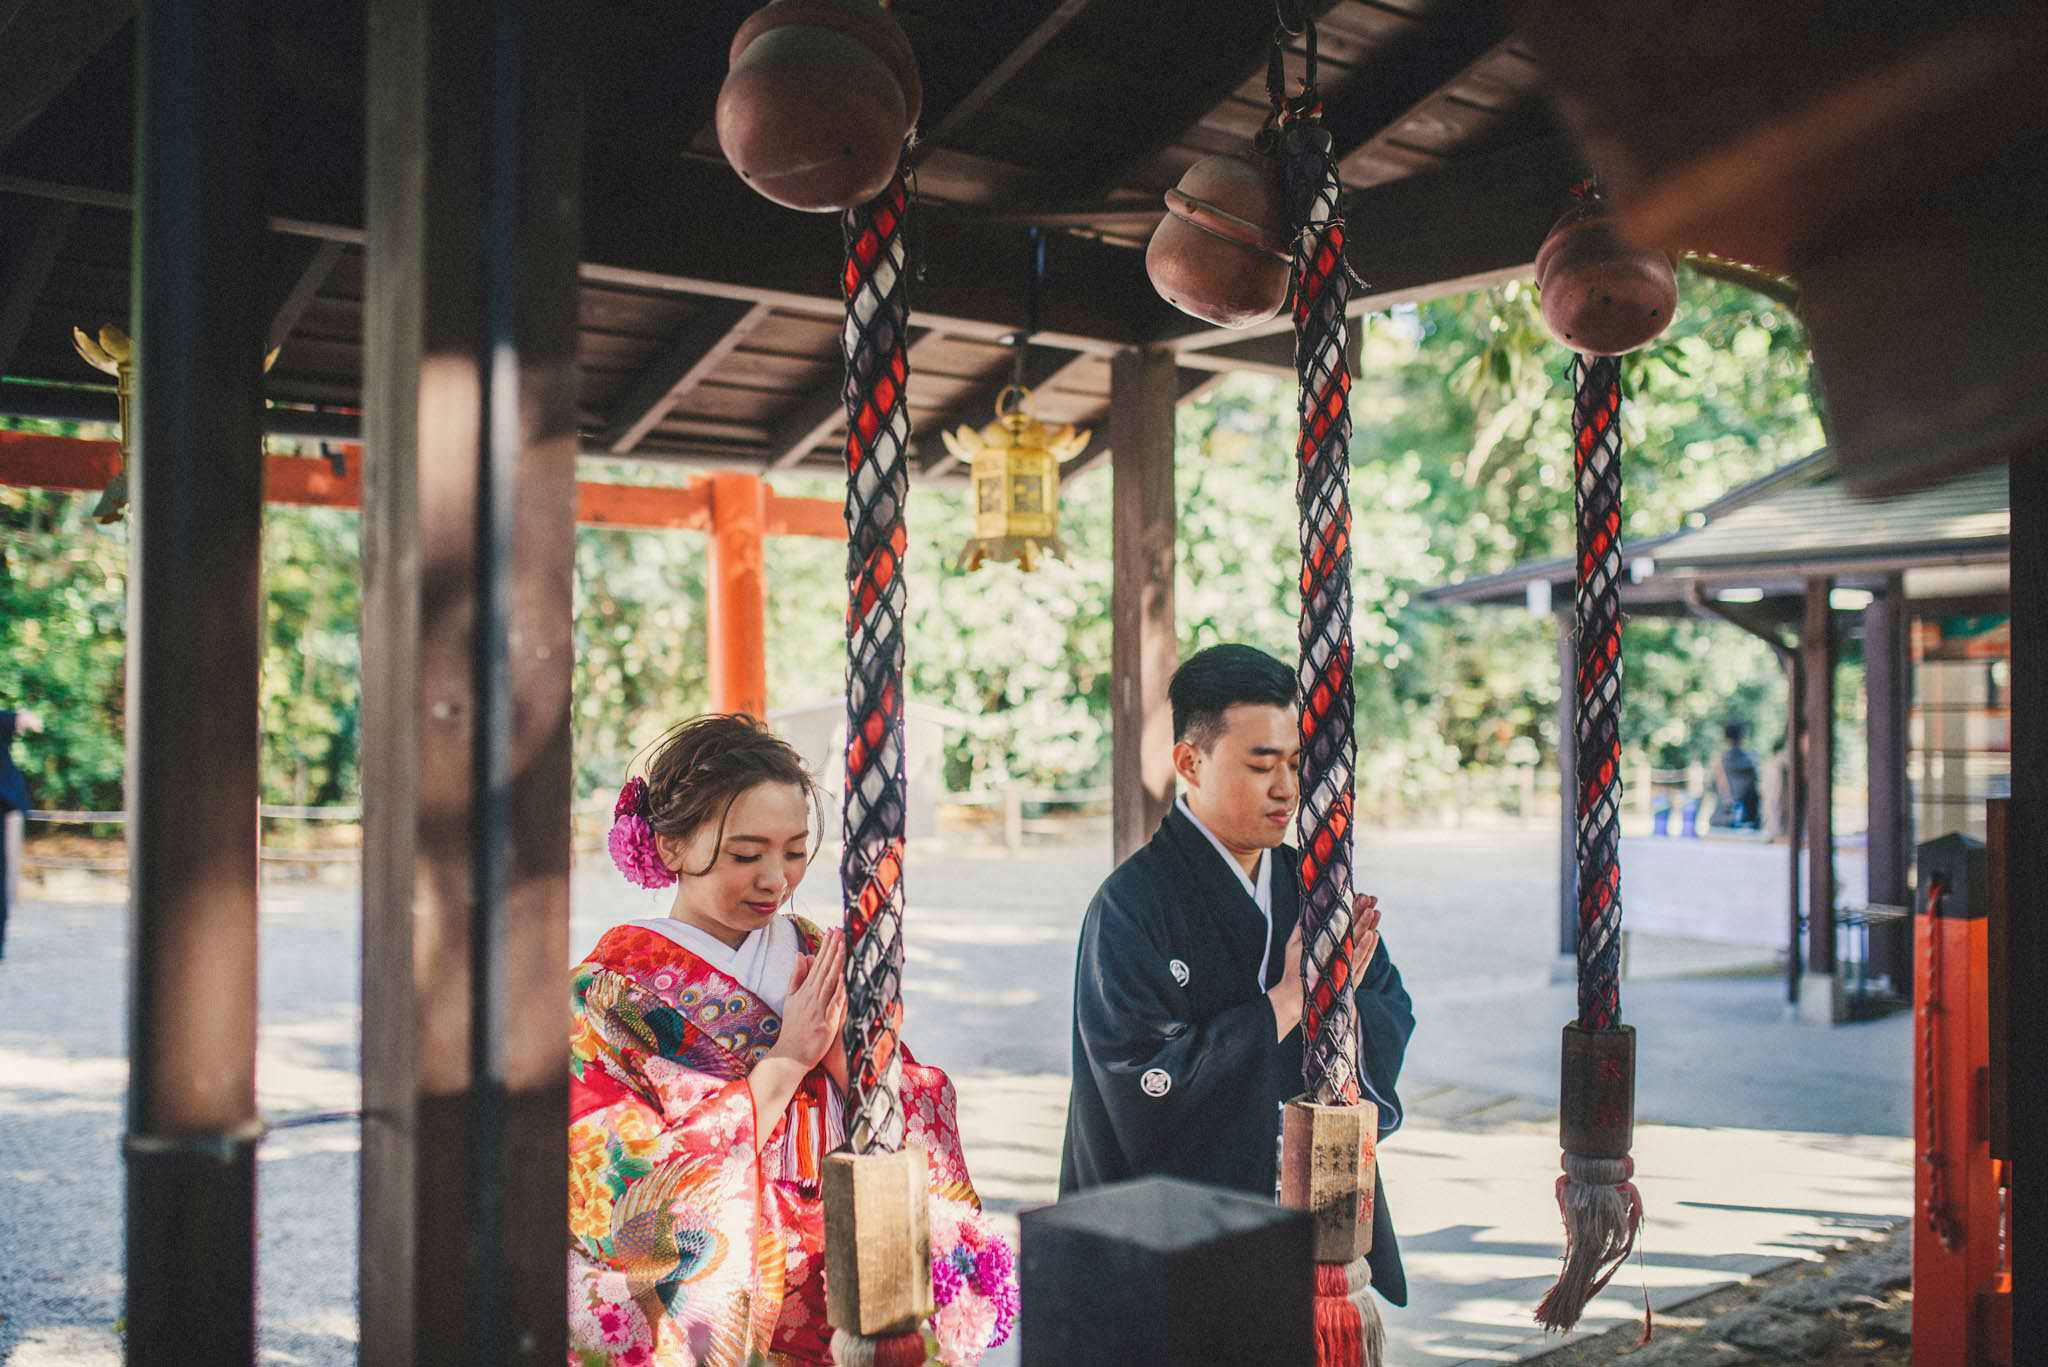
113, 353
1016, 471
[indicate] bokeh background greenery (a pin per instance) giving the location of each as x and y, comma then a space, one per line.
1461, 460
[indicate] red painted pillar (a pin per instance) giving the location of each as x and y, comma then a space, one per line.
1959, 1317
738, 594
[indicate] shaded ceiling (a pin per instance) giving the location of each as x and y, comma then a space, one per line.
708, 315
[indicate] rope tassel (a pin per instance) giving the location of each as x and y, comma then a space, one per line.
886, 1350
1349, 1327
1603, 1213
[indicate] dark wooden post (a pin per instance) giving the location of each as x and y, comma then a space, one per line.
1795, 821
475, 135
1820, 999
1568, 802
1887, 692
1144, 647
194, 647
2026, 871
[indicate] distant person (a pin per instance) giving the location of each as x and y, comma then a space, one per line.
1187, 987
1738, 799
14, 806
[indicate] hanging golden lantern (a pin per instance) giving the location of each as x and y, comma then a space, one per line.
113, 353
1016, 470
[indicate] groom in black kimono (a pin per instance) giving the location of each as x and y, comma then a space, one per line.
1187, 992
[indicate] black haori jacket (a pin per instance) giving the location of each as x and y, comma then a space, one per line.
1176, 1072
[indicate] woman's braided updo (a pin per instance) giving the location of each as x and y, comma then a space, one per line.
699, 768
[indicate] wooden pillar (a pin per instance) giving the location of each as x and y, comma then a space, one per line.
194, 648
737, 590
1568, 800
1887, 693
1795, 821
475, 135
2024, 1053
1819, 996
1144, 645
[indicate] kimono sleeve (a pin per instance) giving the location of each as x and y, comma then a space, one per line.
1164, 1077
663, 1177
1386, 1020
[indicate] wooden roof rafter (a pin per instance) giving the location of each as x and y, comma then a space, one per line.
29, 272
710, 335
304, 269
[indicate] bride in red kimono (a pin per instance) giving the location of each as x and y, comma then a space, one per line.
706, 1086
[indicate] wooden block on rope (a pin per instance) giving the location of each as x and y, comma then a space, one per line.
1597, 1101
1165, 1271
878, 1262
1327, 1165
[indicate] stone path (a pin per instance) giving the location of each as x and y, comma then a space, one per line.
1762, 1141
1853, 1308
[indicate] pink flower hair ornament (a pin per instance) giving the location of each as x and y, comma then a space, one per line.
632, 839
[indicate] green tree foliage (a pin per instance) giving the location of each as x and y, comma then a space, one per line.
1461, 466
62, 627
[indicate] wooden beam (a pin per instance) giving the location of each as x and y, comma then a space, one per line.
1144, 646
2025, 1054
1271, 355
475, 136
677, 235
1888, 690
316, 258
23, 282
1187, 385
1817, 645
707, 338
988, 87
701, 231
1366, 114
804, 426
820, 517
32, 460
47, 44
195, 647
1215, 49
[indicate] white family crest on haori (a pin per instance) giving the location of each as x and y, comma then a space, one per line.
1179, 971
1156, 1082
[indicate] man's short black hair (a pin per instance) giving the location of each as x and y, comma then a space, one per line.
1735, 731
1211, 682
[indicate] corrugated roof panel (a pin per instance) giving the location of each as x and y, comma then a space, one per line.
1825, 521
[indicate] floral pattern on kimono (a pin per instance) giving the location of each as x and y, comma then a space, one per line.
686, 1247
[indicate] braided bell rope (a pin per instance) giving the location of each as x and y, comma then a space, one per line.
1596, 444
1322, 288
877, 486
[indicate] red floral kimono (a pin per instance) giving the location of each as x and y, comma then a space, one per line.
686, 1247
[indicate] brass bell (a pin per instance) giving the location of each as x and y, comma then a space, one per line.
1015, 462
818, 99
1601, 295
1224, 249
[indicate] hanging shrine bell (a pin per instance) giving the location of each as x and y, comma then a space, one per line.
1602, 296
1224, 250
1016, 471
817, 101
